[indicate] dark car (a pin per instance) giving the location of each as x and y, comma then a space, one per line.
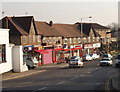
117, 61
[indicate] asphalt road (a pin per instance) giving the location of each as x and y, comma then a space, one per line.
90, 77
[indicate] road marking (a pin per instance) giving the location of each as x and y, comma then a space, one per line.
20, 76
88, 72
82, 75
74, 78
26, 82
42, 88
60, 82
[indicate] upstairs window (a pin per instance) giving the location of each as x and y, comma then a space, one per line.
93, 39
89, 39
39, 38
79, 41
98, 39
65, 40
84, 39
2, 53
74, 40
70, 40
44, 40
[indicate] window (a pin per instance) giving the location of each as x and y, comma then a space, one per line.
89, 39
2, 53
34, 39
70, 40
44, 40
84, 39
50, 40
97, 39
79, 41
93, 39
24, 39
65, 40
39, 38
54, 39
74, 40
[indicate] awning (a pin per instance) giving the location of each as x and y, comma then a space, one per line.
66, 49
58, 49
41, 51
75, 48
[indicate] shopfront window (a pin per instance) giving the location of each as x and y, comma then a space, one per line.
2, 53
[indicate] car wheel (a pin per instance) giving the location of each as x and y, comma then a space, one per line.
28, 67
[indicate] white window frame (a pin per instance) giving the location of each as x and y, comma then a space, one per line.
65, 40
89, 39
50, 39
70, 40
44, 40
93, 39
79, 40
85, 40
39, 38
98, 39
74, 40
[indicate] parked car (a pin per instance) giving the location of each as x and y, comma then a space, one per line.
75, 57
87, 57
117, 61
75, 63
106, 61
95, 56
107, 56
30, 63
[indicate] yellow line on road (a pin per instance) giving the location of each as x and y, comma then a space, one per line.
23, 75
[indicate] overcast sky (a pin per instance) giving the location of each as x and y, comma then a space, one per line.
64, 12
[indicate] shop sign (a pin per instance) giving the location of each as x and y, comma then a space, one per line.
96, 45
88, 46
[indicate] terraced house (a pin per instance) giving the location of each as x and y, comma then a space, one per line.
54, 41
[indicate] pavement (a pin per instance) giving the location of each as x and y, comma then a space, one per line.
115, 81
12, 75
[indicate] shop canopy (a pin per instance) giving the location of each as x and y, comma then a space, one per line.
75, 48
41, 51
58, 49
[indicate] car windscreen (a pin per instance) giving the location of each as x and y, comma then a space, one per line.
105, 55
74, 60
105, 60
118, 57
73, 57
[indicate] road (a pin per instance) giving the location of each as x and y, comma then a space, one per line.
90, 77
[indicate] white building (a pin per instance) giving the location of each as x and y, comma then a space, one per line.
5, 51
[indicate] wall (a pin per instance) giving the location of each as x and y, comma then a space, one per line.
18, 65
4, 39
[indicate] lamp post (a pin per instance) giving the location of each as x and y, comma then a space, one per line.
82, 27
82, 24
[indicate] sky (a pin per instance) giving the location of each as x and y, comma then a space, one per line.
68, 12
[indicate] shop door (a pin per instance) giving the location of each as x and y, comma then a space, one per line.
47, 58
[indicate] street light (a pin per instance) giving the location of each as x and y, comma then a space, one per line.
82, 27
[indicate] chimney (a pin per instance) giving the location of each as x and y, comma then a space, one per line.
50, 23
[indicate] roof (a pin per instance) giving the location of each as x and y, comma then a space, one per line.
23, 32
67, 30
88, 26
45, 29
22, 24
